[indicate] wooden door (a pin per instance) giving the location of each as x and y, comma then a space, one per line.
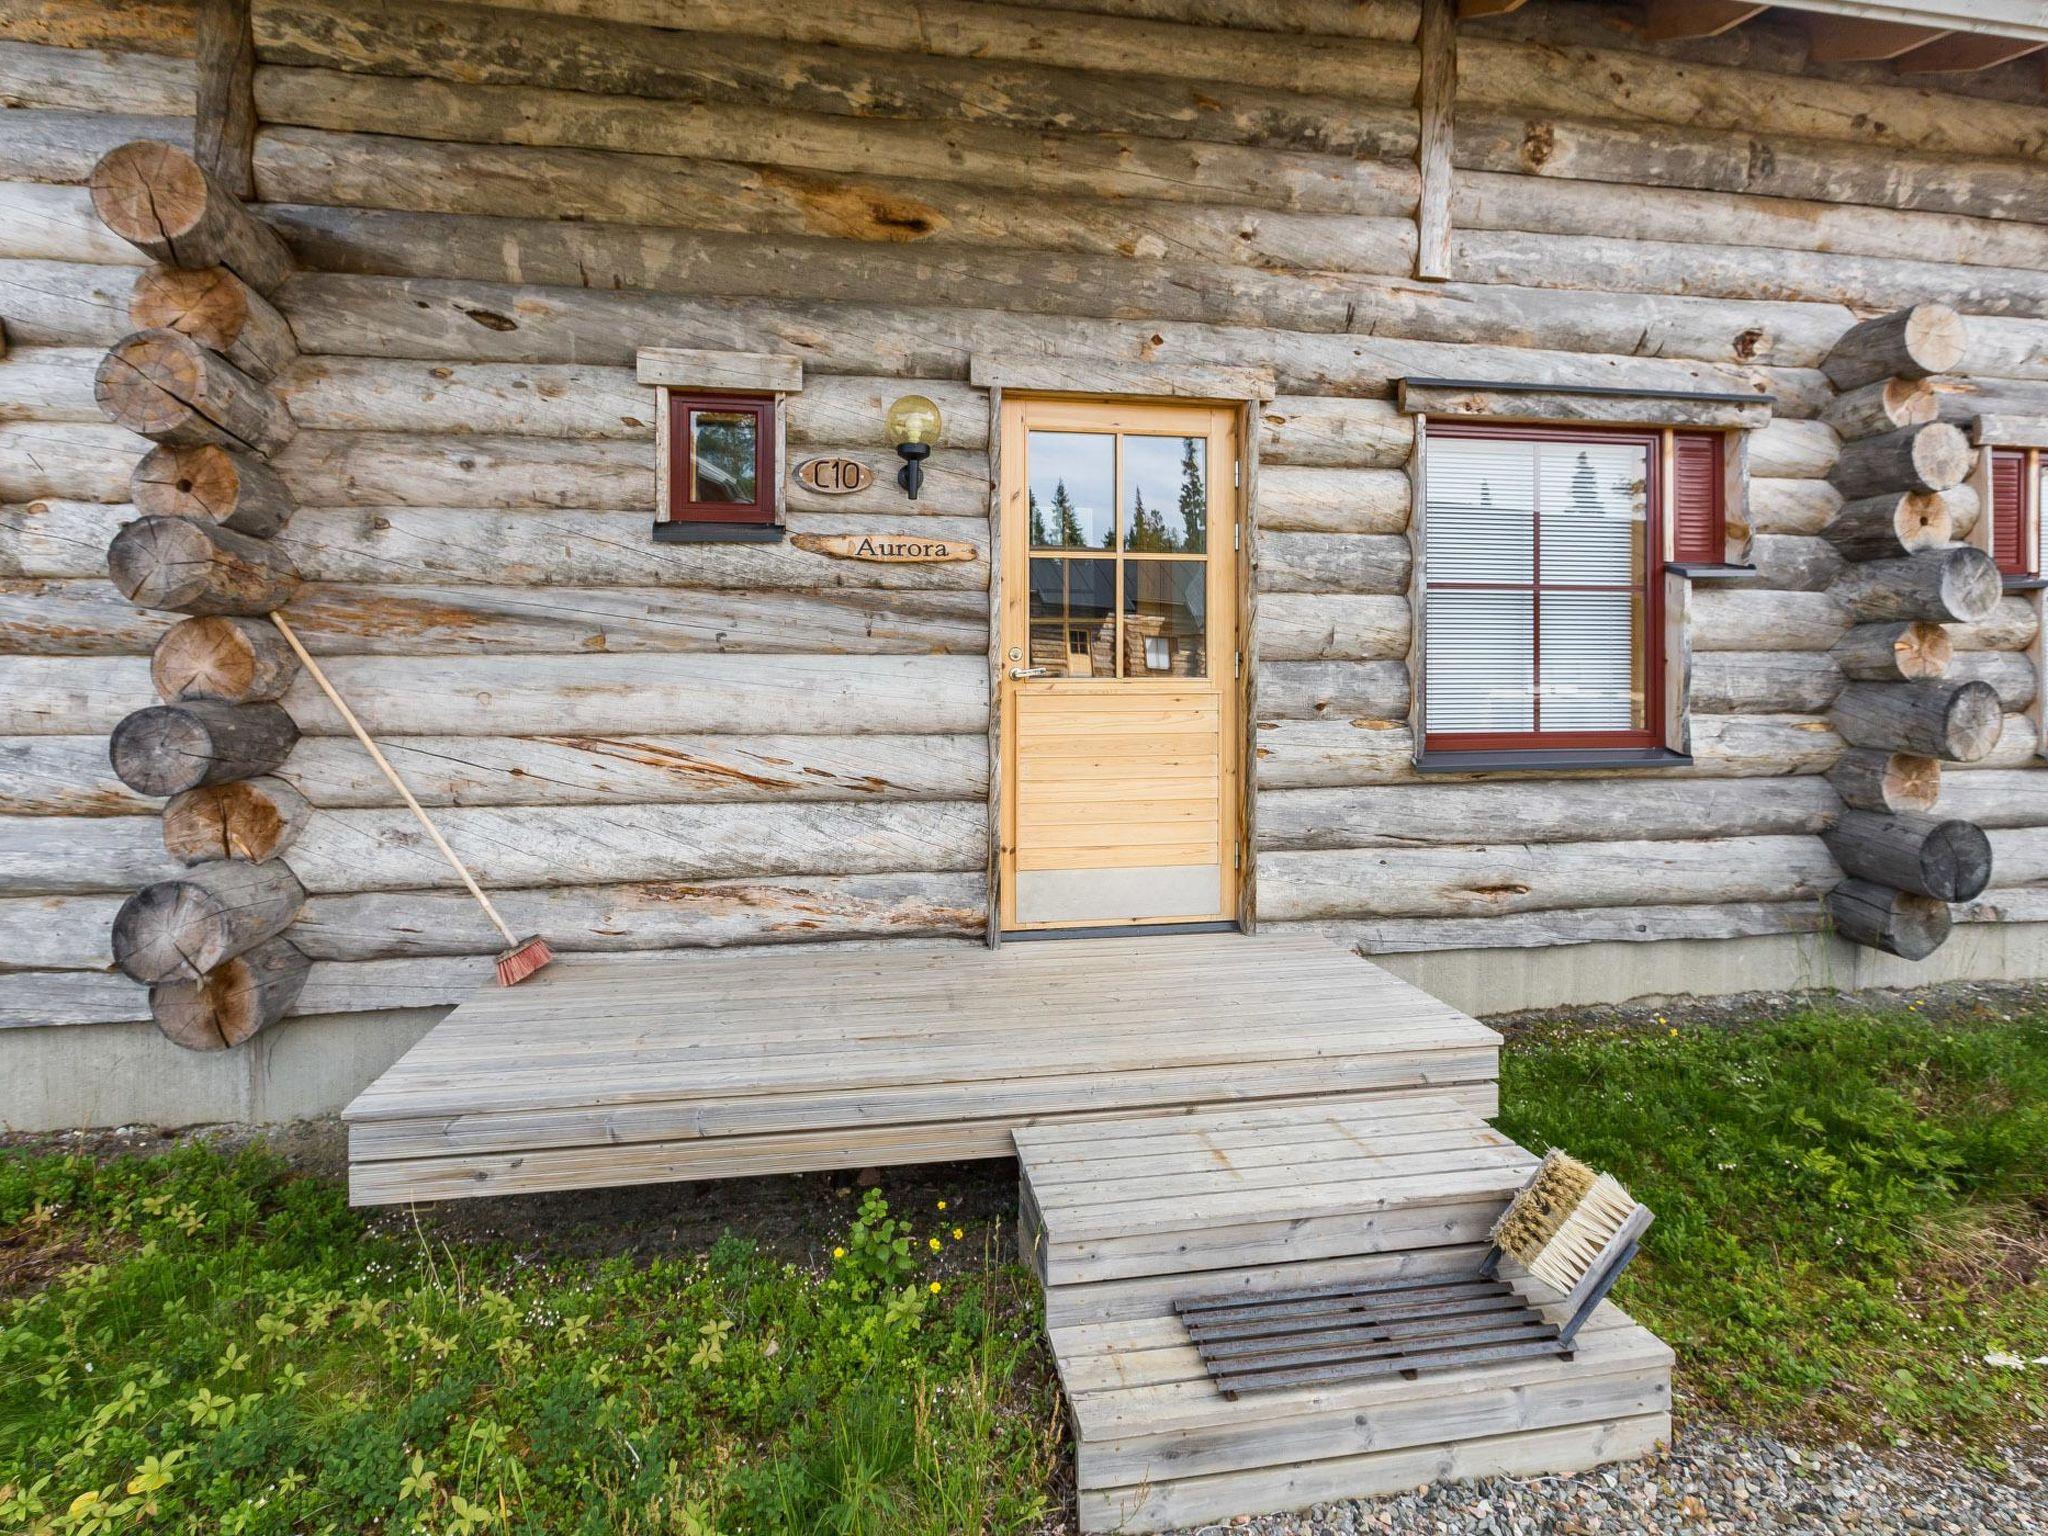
1121, 664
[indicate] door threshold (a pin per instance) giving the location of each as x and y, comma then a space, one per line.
1117, 931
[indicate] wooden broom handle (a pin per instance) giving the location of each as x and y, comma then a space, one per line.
391, 773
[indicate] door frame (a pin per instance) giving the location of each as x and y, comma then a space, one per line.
1009, 586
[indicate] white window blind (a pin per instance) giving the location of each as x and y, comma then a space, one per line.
1533, 586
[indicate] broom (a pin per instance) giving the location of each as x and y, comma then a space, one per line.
1571, 1228
526, 955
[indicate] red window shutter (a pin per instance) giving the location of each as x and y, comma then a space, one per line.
1698, 520
2008, 501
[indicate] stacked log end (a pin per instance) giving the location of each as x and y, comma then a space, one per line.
1901, 474
210, 943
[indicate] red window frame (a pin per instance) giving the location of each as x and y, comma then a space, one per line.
681, 509
1654, 518
2015, 511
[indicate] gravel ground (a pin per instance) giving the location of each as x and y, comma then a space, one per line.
1715, 1481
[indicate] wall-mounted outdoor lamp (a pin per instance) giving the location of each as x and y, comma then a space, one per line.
913, 426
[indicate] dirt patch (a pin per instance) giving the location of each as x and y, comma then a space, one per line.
1961, 1002
32, 1255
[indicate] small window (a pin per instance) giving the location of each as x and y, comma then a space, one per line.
2015, 541
1543, 581
721, 459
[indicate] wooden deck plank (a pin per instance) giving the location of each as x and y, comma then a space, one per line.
1190, 1186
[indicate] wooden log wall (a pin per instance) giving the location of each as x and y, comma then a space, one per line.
650, 745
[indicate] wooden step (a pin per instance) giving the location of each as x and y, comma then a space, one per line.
1123, 1218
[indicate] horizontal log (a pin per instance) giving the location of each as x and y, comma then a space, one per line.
1900, 652
169, 748
85, 77
1314, 562
371, 394
2011, 626
239, 661
182, 566
472, 321
1793, 450
2002, 348
655, 915
1794, 562
64, 303
1318, 690
1313, 754
1926, 855
1886, 782
212, 484
167, 387
161, 201
48, 384
2014, 678
1571, 925
1933, 457
1744, 618
182, 928
1895, 523
1958, 585
1894, 921
446, 470
1883, 406
1306, 626
58, 146
1504, 877
1764, 682
1995, 797
2019, 856
1791, 506
1912, 343
1310, 500
44, 223
1316, 431
1957, 722
252, 820
1401, 816
219, 311
233, 1001
367, 850
67, 462
63, 776
490, 696
55, 855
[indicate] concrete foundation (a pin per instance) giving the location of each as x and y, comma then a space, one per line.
83, 1076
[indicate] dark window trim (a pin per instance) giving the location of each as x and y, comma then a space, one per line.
1611, 744
1548, 760
719, 533
758, 513
1708, 570
1598, 391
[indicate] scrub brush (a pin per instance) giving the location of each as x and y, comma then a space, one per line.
1573, 1229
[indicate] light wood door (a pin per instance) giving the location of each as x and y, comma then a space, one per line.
1121, 663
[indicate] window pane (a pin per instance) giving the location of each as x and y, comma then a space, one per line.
1481, 508
724, 446
1166, 618
2041, 519
1592, 661
1479, 660
1595, 503
1073, 616
1166, 494
1071, 482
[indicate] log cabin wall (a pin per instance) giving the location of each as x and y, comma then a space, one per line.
644, 745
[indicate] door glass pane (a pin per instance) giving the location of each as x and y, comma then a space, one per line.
1479, 662
1166, 495
724, 447
1073, 616
1592, 661
1482, 510
1070, 483
1595, 506
1166, 618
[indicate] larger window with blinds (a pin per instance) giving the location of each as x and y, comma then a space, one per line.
1543, 559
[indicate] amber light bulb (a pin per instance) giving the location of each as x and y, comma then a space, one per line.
913, 425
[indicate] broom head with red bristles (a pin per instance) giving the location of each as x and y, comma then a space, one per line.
522, 960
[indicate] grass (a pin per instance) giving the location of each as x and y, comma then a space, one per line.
1852, 1209
1853, 1213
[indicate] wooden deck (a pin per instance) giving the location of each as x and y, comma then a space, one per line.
713, 1064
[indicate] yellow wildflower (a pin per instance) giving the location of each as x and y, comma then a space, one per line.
942, 1205
838, 1253
935, 1287
934, 1242
958, 1234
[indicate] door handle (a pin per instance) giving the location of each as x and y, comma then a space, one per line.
1023, 672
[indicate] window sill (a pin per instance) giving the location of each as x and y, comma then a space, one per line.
718, 533
2025, 583
1550, 760
1704, 571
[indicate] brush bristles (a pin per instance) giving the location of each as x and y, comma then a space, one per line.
1563, 1220
522, 960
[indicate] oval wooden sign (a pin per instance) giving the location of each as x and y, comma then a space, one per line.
889, 548
835, 477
